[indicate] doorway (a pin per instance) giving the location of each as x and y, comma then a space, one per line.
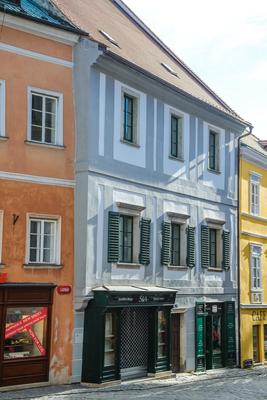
175, 320
134, 342
213, 342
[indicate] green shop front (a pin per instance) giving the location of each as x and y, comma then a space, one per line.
215, 335
127, 333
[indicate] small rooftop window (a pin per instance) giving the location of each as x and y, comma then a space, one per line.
109, 38
169, 69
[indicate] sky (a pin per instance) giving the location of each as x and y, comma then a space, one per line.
223, 42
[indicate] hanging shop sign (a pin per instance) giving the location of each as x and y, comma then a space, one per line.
64, 289
3, 277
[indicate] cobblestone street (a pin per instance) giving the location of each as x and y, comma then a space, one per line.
221, 385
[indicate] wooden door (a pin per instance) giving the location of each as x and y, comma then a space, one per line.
175, 342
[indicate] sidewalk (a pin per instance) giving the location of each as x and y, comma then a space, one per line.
78, 391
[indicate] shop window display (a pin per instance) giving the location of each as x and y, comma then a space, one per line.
25, 332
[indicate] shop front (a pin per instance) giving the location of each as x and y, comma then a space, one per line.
215, 335
253, 322
127, 333
25, 318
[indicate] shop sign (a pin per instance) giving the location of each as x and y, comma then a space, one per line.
142, 298
258, 315
64, 289
3, 277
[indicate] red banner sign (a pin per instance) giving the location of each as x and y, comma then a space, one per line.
25, 324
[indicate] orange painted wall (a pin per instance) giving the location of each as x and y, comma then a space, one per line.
20, 198
19, 73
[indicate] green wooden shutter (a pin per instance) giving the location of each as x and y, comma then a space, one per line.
226, 250
144, 256
229, 334
200, 337
166, 243
190, 259
205, 246
113, 236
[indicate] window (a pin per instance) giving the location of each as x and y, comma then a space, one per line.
255, 267
110, 330
162, 334
126, 239
175, 244
213, 248
176, 136
25, 332
255, 194
213, 150
255, 333
46, 118
2, 108
129, 118
43, 241
265, 342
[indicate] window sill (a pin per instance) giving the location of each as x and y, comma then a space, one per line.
130, 143
216, 269
177, 267
128, 265
3, 138
214, 171
53, 146
2, 265
42, 266
180, 159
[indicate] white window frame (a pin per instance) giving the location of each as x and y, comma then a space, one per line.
255, 252
177, 114
48, 218
59, 116
254, 183
136, 117
1, 233
2, 108
217, 149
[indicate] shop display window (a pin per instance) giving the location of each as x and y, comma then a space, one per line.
25, 332
109, 356
256, 357
162, 334
265, 342
216, 334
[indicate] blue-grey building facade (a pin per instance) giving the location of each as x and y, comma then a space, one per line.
143, 179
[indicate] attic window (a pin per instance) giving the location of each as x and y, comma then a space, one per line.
169, 69
109, 38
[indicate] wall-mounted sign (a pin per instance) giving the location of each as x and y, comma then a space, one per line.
64, 289
259, 316
3, 277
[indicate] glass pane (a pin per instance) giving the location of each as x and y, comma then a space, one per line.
36, 133
162, 334
213, 248
50, 105
33, 255
128, 118
37, 102
50, 135
109, 356
265, 342
47, 256
126, 239
256, 343
216, 334
37, 118
50, 120
25, 332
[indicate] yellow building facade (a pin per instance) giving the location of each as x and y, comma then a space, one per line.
253, 252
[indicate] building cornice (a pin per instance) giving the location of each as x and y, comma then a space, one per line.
253, 156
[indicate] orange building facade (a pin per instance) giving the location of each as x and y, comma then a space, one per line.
37, 145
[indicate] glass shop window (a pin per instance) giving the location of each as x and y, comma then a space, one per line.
162, 334
25, 332
256, 357
109, 356
216, 334
265, 342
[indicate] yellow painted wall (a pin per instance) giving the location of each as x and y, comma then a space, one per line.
254, 226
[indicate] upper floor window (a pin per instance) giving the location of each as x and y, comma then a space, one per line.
213, 248
214, 162
46, 117
255, 194
175, 244
2, 108
126, 239
256, 267
43, 241
130, 118
176, 136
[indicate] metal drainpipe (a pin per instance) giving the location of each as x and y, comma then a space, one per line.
238, 240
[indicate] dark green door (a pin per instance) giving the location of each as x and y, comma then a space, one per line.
209, 342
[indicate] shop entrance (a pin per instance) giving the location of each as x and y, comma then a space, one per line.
213, 342
134, 342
